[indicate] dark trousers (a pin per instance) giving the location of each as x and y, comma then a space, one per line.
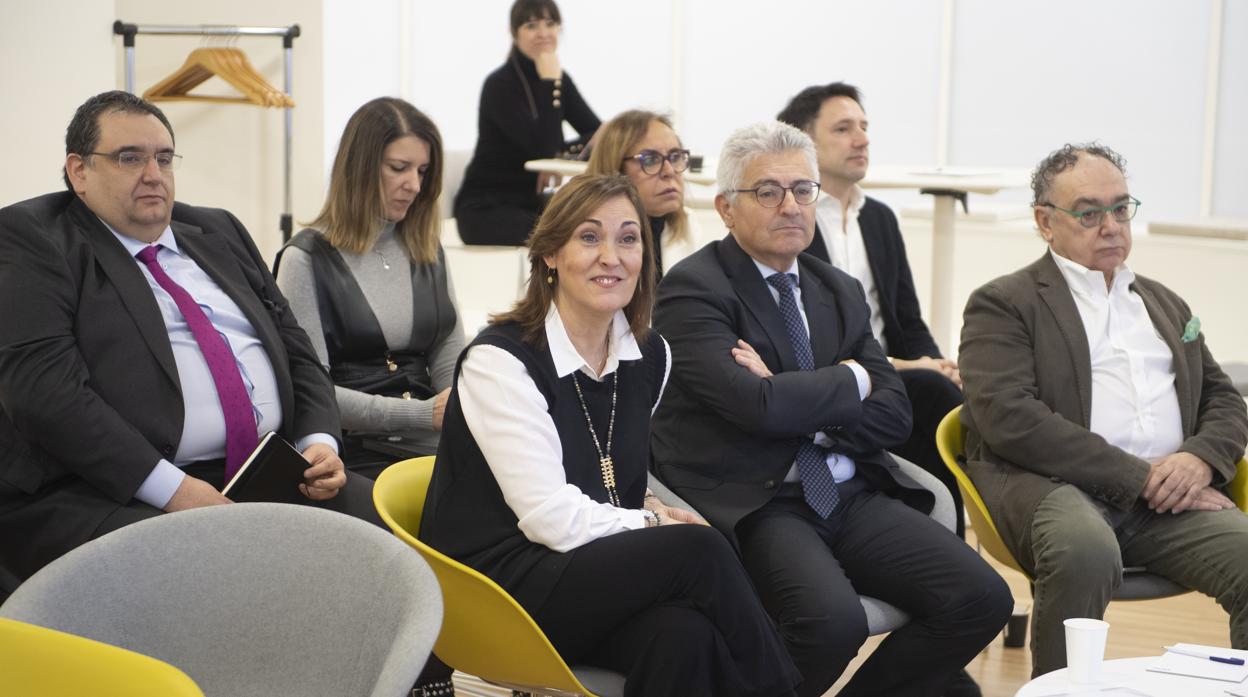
355, 499
500, 224
809, 572
932, 396
671, 609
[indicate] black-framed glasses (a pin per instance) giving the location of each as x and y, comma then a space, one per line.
651, 161
1093, 217
804, 191
135, 160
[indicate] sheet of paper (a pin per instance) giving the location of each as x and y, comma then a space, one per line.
1178, 664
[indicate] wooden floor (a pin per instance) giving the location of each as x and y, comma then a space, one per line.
1137, 628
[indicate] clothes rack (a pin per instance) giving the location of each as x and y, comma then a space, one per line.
288, 35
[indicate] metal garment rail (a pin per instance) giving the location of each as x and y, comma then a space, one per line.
288, 34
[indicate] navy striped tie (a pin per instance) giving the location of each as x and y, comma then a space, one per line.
818, 485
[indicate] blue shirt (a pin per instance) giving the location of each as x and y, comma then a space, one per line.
203, 427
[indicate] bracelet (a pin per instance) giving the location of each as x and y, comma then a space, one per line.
653, 519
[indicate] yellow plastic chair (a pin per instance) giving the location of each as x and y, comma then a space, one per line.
40, 662
1137, 584
485, 632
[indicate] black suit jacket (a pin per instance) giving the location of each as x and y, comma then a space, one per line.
722, 438
90, 398
904, 329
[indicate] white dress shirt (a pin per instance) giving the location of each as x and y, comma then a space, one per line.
203, 425
841, 466
1134, 402
848, 252
507, 416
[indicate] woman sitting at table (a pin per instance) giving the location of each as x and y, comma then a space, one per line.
643, 146
369, 284
523, 106
540, 481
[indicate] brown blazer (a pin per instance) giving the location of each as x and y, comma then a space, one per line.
1027, 376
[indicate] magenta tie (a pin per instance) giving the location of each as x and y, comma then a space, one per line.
240, 420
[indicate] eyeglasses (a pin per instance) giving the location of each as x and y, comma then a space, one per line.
1093, 217
134, 160
651, 161
772, 195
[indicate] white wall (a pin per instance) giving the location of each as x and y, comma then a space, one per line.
57, 53
361, 62
49, 67
1026, 76
1029, 76
1230, 184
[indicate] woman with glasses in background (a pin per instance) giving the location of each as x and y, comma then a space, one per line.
643, 146
523, 106
369, 284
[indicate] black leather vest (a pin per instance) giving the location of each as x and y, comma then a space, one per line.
359, 357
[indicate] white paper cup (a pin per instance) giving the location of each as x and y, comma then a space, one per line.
1085, 649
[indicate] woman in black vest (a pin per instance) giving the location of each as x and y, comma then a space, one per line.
523, 106
540, 481
368, 282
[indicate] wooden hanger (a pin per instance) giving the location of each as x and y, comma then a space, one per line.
229, 64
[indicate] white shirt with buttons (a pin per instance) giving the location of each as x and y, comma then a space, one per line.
1135, 405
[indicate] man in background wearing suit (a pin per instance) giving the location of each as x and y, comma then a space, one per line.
143, 349
774, 424
859, 235
1100, 430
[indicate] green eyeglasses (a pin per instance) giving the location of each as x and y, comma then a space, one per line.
1093, 217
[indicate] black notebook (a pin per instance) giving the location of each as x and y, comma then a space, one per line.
272, 473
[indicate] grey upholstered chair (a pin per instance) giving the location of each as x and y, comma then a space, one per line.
881, 617
250, 599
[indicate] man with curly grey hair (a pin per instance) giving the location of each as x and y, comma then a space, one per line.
774, 425
1101, 432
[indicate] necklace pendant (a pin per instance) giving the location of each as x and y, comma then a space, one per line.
608, 471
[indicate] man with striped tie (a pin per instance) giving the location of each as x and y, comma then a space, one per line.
774, 427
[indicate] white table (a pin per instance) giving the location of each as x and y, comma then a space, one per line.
1132, 674
947, 185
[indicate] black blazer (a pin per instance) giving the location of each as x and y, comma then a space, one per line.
722, 438
904, 329
90, 398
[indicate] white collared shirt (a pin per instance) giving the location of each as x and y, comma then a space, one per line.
841, 466
507, 416
843, 237
1135, 405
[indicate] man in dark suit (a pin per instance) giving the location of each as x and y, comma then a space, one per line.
110, 407
859, 235
774, 423
1100, 430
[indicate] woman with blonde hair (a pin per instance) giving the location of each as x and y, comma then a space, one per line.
643, 146
540, 481
368, 282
